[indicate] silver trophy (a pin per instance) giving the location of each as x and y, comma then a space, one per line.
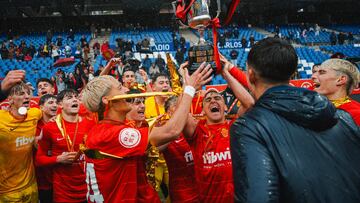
198, 17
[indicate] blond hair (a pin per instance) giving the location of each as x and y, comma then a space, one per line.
347, 68
94, 91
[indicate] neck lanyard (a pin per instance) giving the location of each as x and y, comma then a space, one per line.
61, 125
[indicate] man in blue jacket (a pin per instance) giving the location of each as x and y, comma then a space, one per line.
293, 145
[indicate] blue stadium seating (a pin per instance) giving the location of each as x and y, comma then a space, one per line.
347, 50
354, 29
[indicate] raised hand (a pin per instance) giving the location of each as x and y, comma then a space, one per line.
200, 77
11, 79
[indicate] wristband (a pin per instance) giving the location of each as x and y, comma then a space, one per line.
189, 90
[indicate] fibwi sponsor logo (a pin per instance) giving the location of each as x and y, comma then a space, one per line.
188, 157
213, 157
21, 141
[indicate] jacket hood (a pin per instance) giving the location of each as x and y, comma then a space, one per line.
301, 106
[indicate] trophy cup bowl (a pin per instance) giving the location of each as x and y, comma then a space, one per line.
198, 18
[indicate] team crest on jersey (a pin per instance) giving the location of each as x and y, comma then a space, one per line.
129, 137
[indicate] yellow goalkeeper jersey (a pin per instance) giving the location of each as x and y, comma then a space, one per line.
17, 138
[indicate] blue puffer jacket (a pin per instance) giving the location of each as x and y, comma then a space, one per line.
294, 146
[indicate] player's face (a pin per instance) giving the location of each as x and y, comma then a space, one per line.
70, 104
20, 99
49, 107
137, 112
325, 81
118, 105
128, 78
162, 84
45, 88
214, 107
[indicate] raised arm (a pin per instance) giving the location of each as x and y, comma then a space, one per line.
109, 66
11, 79
172, 129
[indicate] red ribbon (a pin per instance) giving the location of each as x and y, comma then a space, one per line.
216, 24
181, 11
231, 10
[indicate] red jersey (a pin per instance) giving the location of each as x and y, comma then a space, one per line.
213, 167
43, 173
353, 108
123, 178
180, 163
68, 179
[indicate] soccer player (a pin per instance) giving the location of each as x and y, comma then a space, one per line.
128, 77
115, 155
44, 86
180, 162
62, 137
48, 106
210, 142
336, 79
17, 135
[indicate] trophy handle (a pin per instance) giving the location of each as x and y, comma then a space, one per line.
174, 8
219, 8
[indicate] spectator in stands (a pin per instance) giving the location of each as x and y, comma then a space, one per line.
70, 81
31, 50
252, 40
4, 52
222, 40
153, 70
96, 49
59, 41
80, 78
83, 41
317, 30
233, 56
175, 42
336, 79
160, 62
55, 53
236, 32
179, 56
341, 38
243, 42
333, 38
183, 44
41, 52
350, 38
152, 44
78, 51
68, 51
93, 31
145, 44
11, 52
138, 47
86, 51
146, 63
288, 128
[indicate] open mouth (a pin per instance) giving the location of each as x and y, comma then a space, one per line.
165, 90
53, 110
141, 112
316, 85
214, 109
44, 92
75, 106
26, 103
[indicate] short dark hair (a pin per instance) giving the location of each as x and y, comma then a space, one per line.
275, 60
155, 77
46, 97
44, 80
64, 93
